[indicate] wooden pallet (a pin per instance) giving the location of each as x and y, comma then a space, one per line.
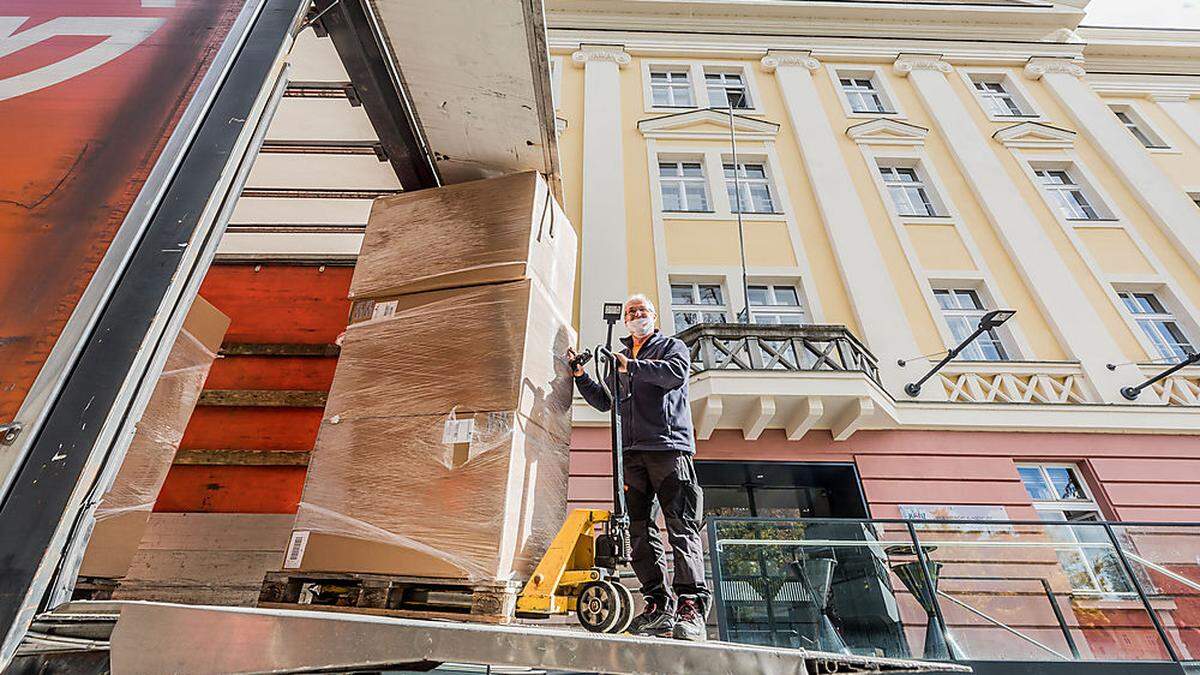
413, 597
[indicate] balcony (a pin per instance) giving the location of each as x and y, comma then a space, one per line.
1052, 596
796, 378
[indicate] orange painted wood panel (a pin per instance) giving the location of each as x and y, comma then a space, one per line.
236, 428
272, 372
231, 489
944, 492
280, 303
936, 467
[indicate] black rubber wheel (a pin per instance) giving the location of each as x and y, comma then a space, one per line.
625, 616
598, 607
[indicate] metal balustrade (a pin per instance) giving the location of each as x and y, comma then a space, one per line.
964, 590
769, 347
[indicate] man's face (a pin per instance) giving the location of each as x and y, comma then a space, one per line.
636, 309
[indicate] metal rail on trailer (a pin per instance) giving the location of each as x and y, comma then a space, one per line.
152, 637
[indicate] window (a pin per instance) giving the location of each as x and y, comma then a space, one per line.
776, 304
671, 88
997, 100
863, 95
1067, 195
684, 187
727, 90
693, 303
754, 188
1139, 129
1059, 494
908, 191
1158, 324
962, 310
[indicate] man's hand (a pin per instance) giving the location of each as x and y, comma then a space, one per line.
622, 362
571, 358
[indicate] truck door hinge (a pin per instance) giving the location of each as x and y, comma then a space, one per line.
9, 432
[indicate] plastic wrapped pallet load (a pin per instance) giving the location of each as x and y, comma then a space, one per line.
123, 511
445, 443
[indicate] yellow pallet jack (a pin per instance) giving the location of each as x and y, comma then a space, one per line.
580, 572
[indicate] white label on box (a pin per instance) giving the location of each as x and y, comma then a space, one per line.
458, 431
295, 552
383, 310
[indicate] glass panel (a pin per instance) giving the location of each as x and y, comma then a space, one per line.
710, 294
1035, 483
686, 319
682, 294
787, 295
1166, 561
1066, 484
758, 295
697, 197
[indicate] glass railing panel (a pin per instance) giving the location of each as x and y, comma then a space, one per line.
1036, 592
1166, 560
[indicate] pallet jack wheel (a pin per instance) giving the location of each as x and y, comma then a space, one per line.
626, 614
599, 606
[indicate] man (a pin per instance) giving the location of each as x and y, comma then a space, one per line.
656, 432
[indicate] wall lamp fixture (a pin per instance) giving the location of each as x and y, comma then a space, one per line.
1131, 393
987, 322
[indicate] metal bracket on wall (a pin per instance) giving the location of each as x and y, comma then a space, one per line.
9, 432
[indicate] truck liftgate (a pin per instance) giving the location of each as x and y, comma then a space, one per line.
150, 637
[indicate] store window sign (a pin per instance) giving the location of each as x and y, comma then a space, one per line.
980, 514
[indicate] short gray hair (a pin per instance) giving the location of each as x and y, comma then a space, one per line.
638, 296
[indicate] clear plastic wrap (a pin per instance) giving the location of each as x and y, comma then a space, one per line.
152, 450
479, 232
445, 443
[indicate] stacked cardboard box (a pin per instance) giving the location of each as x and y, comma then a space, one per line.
124, 509
444, 448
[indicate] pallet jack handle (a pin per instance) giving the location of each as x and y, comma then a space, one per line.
618, 524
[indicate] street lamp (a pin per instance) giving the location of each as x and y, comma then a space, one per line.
990, 321
1131, 393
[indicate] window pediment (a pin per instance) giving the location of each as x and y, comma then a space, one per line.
1035, 135
706, 124
887, 132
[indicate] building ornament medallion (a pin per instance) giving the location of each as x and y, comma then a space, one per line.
601, 53
907, 63
1037, 67
775, 60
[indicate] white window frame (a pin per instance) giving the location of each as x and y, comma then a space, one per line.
1170, 314
704, 179
772, 308
699, 83
923, 183
724, 72
744, 182
1160, 143
723, 308
1082, 184
1087, 504
1012, 86
997, 336
883, 89
672, 84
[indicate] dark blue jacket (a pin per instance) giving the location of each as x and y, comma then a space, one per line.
655, 414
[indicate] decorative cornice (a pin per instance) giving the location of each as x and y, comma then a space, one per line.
601, 54
1170, 98
774, 60
1035, 135
907, 63
1039, 66
887, 132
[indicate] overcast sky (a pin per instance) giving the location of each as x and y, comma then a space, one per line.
1147, 13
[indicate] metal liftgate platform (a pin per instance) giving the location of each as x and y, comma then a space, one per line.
152, 637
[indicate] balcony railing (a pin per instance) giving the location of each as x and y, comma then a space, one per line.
767, 347
965, 590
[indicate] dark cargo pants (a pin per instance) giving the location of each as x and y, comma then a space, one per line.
668, 478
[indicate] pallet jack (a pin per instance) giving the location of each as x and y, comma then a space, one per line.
580, 571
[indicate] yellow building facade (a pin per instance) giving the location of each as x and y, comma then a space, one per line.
904, 168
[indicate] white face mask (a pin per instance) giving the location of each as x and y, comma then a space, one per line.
640, 327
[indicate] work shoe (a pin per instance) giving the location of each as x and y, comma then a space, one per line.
689, 622
654, 620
